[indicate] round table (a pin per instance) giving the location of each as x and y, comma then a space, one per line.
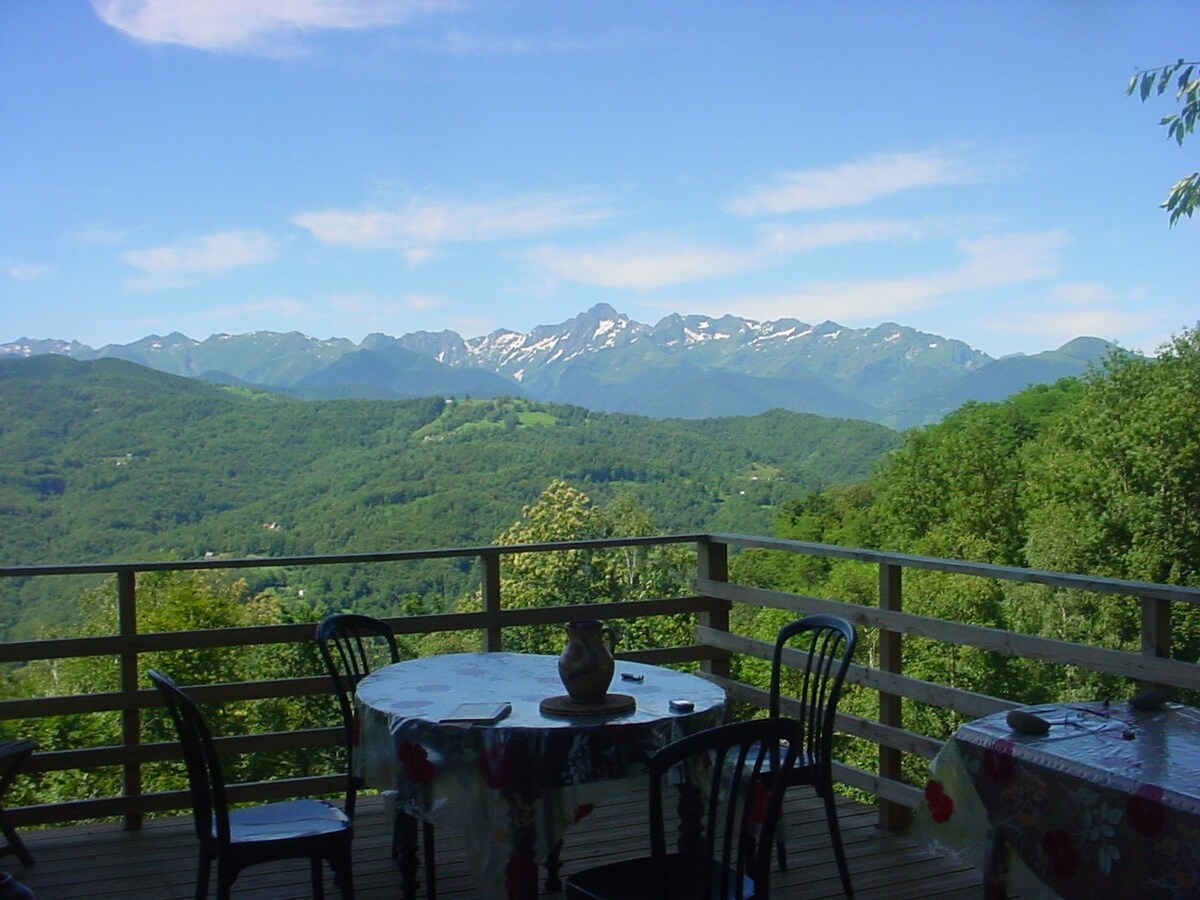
519, 783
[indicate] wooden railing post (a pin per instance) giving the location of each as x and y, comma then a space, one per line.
131, 719
712, 562
892, 816
1156, 628
493, 640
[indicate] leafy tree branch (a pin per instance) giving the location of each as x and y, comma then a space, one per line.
1179, 76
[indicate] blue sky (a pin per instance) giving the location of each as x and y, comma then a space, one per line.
338, 168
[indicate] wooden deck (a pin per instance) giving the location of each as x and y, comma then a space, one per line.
159, 862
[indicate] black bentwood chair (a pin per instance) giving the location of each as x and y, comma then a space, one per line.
352, 646
13, 756
727, 854
828, 644
237, 838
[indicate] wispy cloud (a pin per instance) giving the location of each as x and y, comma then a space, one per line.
800, 238
1065, 324
372, 308
282, 308
423, 225
254, 25
1072, 309
462, 43
990, 262
100, 234
27, 271
858, 182
184, 263
654, 262
642, 267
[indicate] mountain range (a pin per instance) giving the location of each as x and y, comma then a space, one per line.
686, 366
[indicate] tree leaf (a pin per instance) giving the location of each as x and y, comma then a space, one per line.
1165, 78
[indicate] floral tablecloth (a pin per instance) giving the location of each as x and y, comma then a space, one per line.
526, 779
1105, 804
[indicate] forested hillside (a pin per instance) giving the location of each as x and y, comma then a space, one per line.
1099, 476
109, 461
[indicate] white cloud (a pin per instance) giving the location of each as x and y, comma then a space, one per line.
181, 264
28, 271
856, 183
1080, 294
281, 308
100, 234
1082, 308
1065, 324
990, 262
422, 225
376, 308
641, 267
793, 239
253, 25
460, 43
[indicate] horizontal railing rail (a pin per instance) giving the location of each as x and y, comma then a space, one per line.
711, 652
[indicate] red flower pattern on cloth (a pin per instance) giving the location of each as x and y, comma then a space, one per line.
760, 799
517, 874
1060, 852
415, 761
495, 765
941, 804
998, 761
1145, 810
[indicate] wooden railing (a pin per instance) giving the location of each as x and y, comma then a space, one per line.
711, 652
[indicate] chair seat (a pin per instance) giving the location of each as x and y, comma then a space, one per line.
285, 821
805, 770
644, 878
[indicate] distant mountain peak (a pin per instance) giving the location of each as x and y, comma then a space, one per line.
686, 366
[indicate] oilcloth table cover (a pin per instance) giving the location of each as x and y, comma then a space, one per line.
1105, 804
529, 776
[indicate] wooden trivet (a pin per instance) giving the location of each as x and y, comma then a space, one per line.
611, 705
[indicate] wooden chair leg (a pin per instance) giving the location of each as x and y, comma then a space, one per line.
347, 868
553, 867
430, 870
317, 877
404, 848
15, 844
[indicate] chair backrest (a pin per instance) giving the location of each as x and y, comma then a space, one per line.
210, 807
738, 813
829, 643
351, 646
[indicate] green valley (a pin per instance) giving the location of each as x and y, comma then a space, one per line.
109, 461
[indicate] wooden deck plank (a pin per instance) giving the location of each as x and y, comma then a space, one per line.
159, 862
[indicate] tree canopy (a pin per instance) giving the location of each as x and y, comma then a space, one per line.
1098, 476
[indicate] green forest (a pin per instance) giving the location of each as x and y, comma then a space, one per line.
1097, 475
108, 461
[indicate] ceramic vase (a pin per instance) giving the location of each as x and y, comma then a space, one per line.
586, 665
